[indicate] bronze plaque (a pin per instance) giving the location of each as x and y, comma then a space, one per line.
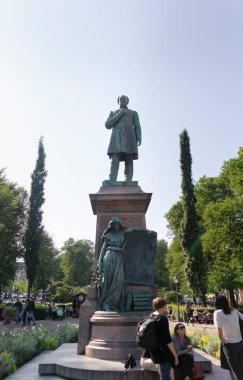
140, 252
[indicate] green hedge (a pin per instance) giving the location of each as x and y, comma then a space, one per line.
41, 311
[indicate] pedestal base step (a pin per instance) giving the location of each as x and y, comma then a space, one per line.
66, 363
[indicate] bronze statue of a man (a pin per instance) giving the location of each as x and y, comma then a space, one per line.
125, 138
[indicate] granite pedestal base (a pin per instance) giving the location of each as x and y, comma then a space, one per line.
66, 363
129, 203
114, 335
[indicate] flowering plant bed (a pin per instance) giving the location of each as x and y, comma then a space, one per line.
19, 346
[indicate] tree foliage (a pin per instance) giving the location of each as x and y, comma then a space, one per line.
34, 225
13, 202
219, 207
195, 267
161, 272
48, 262
77, 261
223, 222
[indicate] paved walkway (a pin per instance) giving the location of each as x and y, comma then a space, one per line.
29, 371
50, 324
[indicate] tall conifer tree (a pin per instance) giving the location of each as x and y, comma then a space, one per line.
190, 232
34, 225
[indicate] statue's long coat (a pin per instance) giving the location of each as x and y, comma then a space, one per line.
126, 131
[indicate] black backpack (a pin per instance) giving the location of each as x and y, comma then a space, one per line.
146, 337
130, 362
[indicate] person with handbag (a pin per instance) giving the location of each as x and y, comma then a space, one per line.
228, 322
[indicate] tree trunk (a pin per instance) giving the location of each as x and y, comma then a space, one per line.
203, 298
232, 298
29, 288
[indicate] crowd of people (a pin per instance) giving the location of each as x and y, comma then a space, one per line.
175, 353
25, 312
193, 315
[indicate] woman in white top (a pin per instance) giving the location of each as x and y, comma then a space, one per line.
227, 321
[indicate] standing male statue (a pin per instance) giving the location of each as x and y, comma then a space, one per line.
125, 139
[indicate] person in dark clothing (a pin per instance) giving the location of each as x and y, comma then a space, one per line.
30, 310
49, 311
188, 312
183, 350
164, 354
19, 306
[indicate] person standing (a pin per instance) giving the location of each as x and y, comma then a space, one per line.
188, 311
18, 304
125, 138
170, 313
30, 311
165, 354
227, 322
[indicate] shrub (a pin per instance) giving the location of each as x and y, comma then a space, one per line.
170, 297
7, 364
8, 314
41, 312
208, 344
22, 345
49, 343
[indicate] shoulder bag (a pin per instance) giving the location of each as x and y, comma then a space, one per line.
240, 323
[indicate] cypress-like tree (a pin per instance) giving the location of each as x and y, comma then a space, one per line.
190, 232
34, 224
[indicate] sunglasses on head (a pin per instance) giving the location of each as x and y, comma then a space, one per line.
180, 327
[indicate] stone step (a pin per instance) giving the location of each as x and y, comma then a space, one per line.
66, 363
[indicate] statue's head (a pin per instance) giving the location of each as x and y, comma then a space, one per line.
123, 100
115, 223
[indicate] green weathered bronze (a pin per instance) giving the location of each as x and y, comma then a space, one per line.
110, 268
125, 139
127, 256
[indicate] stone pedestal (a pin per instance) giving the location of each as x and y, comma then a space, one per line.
129, 203
114, 335
86, 311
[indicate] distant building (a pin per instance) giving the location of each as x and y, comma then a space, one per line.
20, 274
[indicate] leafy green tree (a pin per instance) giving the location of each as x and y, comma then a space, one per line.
13, 202
190, 233
223, 222
48, 262
77, 261
161, 272
170, 297
175, 259
175, 262
22, 286
34, 225
174, 217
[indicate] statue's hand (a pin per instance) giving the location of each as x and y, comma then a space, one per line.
99, 267
123, 111
138, 142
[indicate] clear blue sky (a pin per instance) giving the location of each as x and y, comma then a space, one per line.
63, 65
